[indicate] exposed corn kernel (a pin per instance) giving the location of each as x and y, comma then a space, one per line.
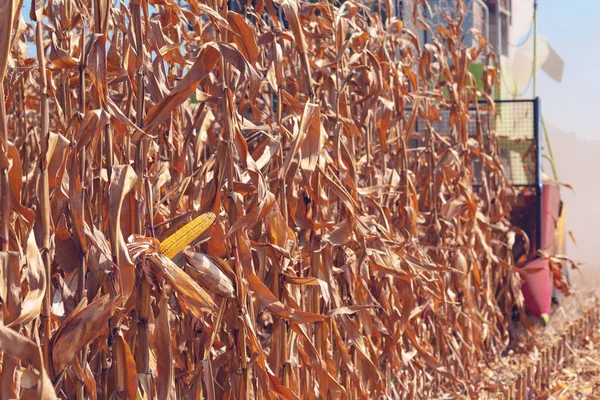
172, 245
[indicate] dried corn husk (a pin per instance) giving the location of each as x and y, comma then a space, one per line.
204, 268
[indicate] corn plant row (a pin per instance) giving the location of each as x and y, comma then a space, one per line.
327, 256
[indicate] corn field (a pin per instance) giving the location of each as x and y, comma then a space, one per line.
324, 256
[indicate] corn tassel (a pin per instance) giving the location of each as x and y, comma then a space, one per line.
175, 243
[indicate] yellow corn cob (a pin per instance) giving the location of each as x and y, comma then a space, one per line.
186, 235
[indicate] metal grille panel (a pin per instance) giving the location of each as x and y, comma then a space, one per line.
515, 126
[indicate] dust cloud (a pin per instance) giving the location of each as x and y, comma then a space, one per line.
577, 162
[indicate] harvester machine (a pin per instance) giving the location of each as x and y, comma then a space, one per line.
537, 207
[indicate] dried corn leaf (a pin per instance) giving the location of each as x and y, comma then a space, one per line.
80, 328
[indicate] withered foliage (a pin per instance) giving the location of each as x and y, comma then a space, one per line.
342, 263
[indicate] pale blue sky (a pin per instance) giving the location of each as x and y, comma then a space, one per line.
573, 29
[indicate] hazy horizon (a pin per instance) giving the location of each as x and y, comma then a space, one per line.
575, 157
